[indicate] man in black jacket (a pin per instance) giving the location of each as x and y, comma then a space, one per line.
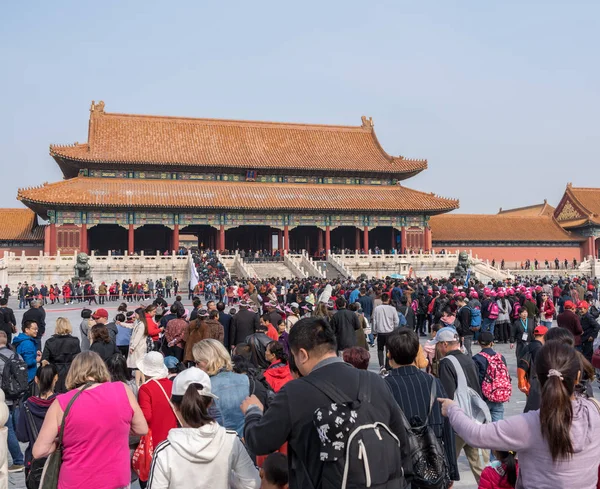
225, 320
463, 323
344, 324
9, 320
290, 415
37, 314
590, 330
243, 324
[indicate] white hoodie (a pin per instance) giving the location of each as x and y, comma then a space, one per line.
209, 457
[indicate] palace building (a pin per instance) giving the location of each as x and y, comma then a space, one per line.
140, 183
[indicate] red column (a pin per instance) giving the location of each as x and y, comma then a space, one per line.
286, 237
357, 240
279, 240
366, 238
393, 239
327, 240
52, 239
427, 245
175, 245
403, 244
83, 239
130, 244
47, 240
221, 237
320, 244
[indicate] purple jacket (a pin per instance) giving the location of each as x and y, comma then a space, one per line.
523, 434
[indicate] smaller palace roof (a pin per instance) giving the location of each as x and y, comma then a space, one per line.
144, 141
498, 228
543, 209
89, 192
19, 225
579, 207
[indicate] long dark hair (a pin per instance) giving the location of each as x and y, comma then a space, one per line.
194, 407
117, 366
142, 315
556, 409
510, 463
45, 376
100, 333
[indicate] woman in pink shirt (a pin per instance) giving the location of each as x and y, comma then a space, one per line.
97, 427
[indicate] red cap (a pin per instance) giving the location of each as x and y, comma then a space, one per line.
443, 291
569, 305
100, 313
583, 305
540, 330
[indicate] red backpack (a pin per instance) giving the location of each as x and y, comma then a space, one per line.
493, 310
496, 386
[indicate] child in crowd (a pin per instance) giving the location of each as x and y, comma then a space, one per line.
274, 472
502, 473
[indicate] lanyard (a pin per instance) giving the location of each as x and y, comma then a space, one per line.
524, 325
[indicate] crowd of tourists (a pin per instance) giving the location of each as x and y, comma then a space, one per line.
276, 392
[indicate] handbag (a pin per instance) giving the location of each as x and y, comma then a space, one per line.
52, 465
142, 456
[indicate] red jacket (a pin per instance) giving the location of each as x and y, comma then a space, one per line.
493, 478
549, 309
157, 409
153, 329
277, 375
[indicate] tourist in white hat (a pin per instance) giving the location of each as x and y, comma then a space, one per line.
201, 454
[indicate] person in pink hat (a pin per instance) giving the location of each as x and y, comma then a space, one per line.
502, 332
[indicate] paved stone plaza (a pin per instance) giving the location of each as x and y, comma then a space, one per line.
515, 406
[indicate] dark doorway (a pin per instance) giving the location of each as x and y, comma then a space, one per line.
207, 235
344, 237
308, 238
250, 238
151, 238
383, 237
104, 237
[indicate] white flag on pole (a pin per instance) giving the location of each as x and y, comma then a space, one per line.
194, 277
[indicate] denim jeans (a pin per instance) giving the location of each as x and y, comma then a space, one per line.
548, 324
22, 303
497, 412
488, 325
13, 443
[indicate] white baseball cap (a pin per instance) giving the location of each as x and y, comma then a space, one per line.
192, 376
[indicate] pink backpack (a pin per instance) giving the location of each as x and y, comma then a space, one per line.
496, 386
493, 310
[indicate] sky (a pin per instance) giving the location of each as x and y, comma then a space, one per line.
501, 97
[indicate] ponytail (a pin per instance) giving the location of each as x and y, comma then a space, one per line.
194, 407
510, 467
557, 366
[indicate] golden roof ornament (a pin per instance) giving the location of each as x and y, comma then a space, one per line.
367, 123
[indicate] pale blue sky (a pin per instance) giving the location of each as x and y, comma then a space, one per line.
501, 97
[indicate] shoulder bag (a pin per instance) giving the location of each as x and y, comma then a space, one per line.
52, 466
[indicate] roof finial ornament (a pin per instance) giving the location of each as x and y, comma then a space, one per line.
97, 107
367, 123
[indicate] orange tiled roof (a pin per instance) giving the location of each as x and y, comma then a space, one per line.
497, 227
185, 142
19, 225
183, 194
543, 209
589, 200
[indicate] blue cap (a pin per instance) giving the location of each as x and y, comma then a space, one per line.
171, 362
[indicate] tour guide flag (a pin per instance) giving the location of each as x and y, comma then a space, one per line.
194, 278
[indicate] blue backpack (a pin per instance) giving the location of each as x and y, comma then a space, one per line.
402, 319
475, 318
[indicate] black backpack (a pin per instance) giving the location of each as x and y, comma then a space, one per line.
36, 468
430, 469
14, 377
357, 449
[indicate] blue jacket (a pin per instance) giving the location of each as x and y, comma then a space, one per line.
27, 348
353, 296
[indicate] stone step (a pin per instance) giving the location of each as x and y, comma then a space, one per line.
272, 270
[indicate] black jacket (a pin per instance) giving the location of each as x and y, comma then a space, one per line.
243, 324
463, 322
448, 377
60, 350
590, 328
225, 320
39, 316
344, 324
105, 350
290, 418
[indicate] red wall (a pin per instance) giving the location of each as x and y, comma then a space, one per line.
517, 254
29, 251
